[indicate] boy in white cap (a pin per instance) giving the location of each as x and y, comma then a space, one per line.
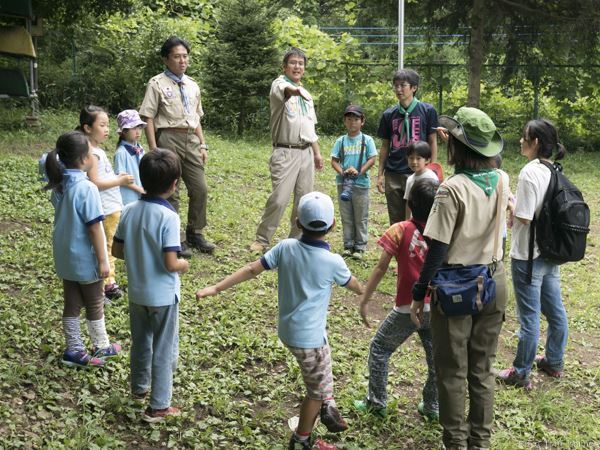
307, 269
129, 153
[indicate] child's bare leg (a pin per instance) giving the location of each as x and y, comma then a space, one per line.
308, 414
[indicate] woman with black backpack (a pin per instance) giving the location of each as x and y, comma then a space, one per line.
536, 279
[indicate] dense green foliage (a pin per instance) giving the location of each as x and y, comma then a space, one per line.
241, 59
236, 384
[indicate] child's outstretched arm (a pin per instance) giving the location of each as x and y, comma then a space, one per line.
98, 239
378, 272
251, 270
355, 286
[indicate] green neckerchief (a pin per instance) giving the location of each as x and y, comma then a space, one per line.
405, 130
303, 105
486, 179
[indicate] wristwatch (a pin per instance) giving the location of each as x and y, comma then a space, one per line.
204, 146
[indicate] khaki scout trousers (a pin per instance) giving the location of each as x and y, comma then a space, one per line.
464, 348
292, 170
187, 147
395, 186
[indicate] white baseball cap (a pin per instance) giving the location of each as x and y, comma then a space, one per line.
316, 207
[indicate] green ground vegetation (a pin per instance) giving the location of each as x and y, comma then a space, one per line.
236, 383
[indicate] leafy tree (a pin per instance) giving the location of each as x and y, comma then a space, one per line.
241, 62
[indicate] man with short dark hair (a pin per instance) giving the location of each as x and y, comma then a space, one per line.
296, 152
409, 121
173, 110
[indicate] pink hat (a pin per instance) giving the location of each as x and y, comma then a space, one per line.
129, 119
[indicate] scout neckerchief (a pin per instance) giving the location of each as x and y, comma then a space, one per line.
486, 179
303, 105
405, 128
180, 82
133, 150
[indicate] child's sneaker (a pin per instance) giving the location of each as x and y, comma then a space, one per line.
431, 415
543, 365
358, 254
81, 359
347, 252
112, 291
364, 407
332, 419
320, 444
512, 378
108, 352
158, 415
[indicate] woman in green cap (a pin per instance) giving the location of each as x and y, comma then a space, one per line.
461, 228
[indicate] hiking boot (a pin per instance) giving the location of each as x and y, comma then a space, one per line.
543, 365
257, 247
112, 291
81, 359
428, 414
364, 407
108, 352
512, 378
158, 415
197, 241
185, 251
332, 419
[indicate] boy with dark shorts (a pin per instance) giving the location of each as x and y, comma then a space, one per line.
307, 269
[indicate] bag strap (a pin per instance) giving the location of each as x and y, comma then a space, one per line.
497, 224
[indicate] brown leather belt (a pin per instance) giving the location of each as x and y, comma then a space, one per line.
178, 130
299, 146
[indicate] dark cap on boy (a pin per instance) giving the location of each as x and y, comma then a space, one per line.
354, 110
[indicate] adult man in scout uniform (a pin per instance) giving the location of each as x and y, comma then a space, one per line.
296, 151
172, 109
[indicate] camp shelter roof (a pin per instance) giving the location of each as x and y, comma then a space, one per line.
16, 41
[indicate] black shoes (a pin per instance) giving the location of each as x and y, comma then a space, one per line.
197, 241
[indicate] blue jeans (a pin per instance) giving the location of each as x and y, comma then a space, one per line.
392, 333
541, 296
154, 351
355, 218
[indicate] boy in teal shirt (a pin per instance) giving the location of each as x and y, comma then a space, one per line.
352, 156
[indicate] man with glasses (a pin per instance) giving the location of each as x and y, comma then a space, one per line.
172, 109
296, 152
409, 121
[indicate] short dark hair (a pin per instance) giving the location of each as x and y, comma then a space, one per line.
419, 148
420, 198
462, 157
294, 51
158, 169
314, 234
547, 135
172, 41
408, 75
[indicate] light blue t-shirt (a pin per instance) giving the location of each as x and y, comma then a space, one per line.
76, 208
306, 272
352, 146
127, 160
148, 228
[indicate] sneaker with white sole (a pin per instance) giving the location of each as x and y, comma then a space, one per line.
158, 415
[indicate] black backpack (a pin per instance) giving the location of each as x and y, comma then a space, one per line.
561, 227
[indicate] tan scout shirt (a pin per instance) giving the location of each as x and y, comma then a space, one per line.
464, 217
163, 103
288, 124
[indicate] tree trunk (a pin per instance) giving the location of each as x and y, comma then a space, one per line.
476, 45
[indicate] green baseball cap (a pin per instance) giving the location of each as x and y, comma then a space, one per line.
475, 129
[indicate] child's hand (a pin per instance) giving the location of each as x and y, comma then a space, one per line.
184, 266
104, 269
363, 313
380, 181
207, 292
125, 179
416, 312
442, 133
351, 171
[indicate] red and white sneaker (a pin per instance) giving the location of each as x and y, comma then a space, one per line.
158, 415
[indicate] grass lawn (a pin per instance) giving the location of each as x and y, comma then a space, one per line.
236, 384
